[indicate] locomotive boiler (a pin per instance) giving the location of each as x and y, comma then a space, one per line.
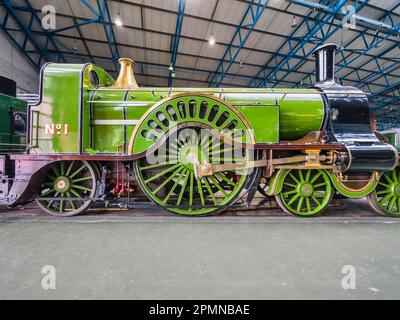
95, 140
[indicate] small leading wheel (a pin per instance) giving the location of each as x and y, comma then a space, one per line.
171, 182
385, 199
305, 192
75, 180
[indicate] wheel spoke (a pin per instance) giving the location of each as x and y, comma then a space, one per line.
394, 176
61, 204
199, 185
74, 186
70, 201
301, 175
158, 175
307, 178
210, 190
378, 193
51, 201
183, 188
322, 184
191, 189
300, 204
218, 186
159, 165
293, 177
308, 204
77, 171
289, 193
173, 175
385, 199
293, 199
316, 200
228, 150
223, 177
171, 191
55, 170
51, 177
82, 179
380, 183
391, 203
315, 177
388, 178
70, 168
289, 184
62, 168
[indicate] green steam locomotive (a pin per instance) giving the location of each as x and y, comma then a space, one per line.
92, 139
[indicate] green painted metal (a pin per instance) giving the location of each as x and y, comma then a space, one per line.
385, 198
300, 111
69, 98
12, 124
276, 182
305, 192
349, 193
60, 123
74, 180
59, 106
393, 139
167, 174
89, 75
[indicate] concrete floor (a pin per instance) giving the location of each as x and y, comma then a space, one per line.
240, 255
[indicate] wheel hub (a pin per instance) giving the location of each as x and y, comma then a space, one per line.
397, 190
62, 184
306, 189
189, 155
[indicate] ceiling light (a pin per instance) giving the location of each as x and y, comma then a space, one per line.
75, 46
294, 23
211, 41
118, 21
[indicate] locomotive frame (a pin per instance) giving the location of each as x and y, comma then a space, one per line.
198, 151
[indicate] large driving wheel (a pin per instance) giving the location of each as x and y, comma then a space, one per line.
171, 182
68, 188
180, 132
305, 193
385, 198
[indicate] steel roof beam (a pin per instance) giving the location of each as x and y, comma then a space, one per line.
361, 53
246, 25
29, 36
324, 25
187, 69
176, 39
363, 21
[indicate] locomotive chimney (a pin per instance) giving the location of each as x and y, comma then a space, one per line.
325, 64
126, 78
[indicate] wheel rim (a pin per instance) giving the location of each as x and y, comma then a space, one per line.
306, 192
387, 193
67, 179
172, 184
